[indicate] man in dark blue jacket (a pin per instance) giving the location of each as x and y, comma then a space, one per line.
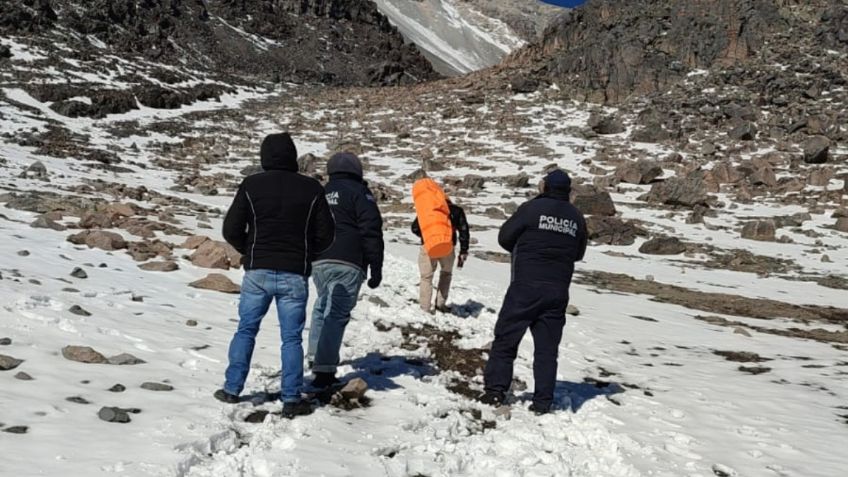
546, 236
338, 273
279, 221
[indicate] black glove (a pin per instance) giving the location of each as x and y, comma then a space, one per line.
460, 262
376, 279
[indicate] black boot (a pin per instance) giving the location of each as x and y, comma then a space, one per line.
298, 408
226, 397
538, 409
324, 380
492, 398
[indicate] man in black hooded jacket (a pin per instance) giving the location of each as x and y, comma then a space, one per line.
339, 272
279, 221
546, 236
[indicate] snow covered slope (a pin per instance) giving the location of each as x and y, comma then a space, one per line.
452, 34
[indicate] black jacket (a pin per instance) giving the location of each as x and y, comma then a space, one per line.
545, 236
279, 219
359, 225
460, 227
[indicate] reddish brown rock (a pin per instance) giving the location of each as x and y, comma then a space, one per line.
216, 282
760, 230
99, 239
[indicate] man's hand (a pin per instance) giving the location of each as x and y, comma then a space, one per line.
376, 279
460, 261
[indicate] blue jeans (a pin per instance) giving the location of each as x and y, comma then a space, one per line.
259, 288
338, 290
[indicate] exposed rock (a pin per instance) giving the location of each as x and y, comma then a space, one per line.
157, 387
842, 225
45, 222
639, 172
166, 266
613, 231
523, 84
16, 429
79, 311
125, 359
741, 331
354, 390
79, 273
215, 254
518, 181
606, 124
77, 400
8, 363
473, 182
36, 170
191, 323
216, 282
118, 388
572, 310
688, 192
22, 376
663, 246
816, 150
592, 201
746, 131
820, 177
114, 414
725, 173
764, 176
83, 354
5, 341
761, 230
99, 239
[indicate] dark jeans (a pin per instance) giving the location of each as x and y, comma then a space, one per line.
541, 308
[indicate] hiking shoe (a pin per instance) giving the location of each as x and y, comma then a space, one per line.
324, 380
538, 409
297, 408
226, 397
492, 398
443, 309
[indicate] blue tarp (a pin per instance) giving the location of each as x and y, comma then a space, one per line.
565, 3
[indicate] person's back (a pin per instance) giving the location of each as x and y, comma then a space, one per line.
339, 272
279, 221
546, 236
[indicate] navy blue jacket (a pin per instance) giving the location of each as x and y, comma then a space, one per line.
359, 225
546, 236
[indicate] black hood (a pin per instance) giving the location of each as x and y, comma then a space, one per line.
278, 152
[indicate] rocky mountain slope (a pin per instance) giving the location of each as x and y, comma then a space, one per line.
340, 42
460, 36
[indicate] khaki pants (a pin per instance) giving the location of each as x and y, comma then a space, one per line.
427, 266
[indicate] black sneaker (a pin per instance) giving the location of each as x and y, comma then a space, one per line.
226, 397
443, 309
324, 380
294, 409
538, 409
492, 398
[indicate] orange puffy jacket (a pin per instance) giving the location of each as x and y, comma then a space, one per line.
431, 206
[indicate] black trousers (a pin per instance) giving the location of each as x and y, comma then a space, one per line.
541, 308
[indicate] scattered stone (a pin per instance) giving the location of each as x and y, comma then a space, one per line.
518, 181
36, 170
157, 387
592, 201
191, 323
216, 282
165, 266
79, 273
114, 414
44, 222
473, 182
79, 311
842, 224
108, 241
688, 192
663, 246
8, 363
256, 417
78, 400
639, 172
378, 301
741, 356
118, 388
755, 370
746, 131
606, 124
83, 354
816, 150
613, 231
24, 376
760, 230
23, 253
125, 359
5, 341
16, 429
214, 254
741, 331
354, 390
572, 310
195, 241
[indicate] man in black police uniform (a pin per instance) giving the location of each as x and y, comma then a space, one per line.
545, 236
